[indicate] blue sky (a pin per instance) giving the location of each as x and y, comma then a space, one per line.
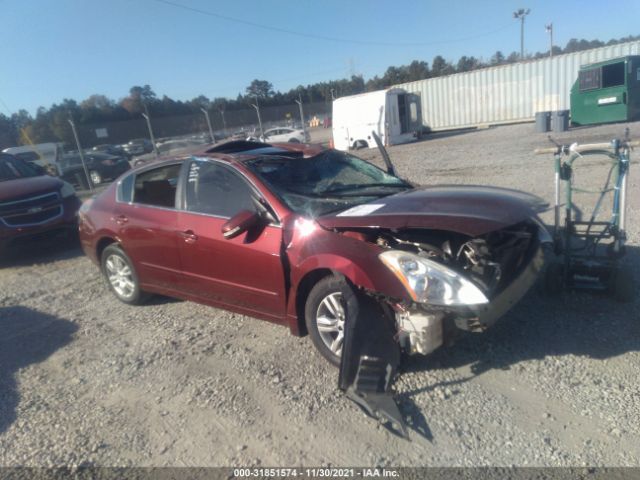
55, 49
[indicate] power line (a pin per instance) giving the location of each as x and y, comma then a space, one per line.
323, 37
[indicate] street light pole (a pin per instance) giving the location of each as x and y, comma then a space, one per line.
521, 13
84, 164
206, 114
153, 139
304, 127
549, 29
224, 122
257, 107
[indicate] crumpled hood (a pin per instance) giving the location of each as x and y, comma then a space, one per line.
31, 186
467, 209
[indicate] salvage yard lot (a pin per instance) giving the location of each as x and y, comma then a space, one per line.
86, 380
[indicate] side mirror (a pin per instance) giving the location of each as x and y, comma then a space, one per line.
240, 223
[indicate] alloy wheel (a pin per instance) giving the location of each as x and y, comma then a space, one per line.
330, 318
120, 276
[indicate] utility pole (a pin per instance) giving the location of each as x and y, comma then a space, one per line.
224, 122
206, 114
549, 29
153, 139
304, 128
257, 107
84, 164
521, 13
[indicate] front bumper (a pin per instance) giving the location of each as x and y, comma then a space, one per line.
67, 221
486, 315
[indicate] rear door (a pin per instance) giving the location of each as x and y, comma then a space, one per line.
244, 272
146, 220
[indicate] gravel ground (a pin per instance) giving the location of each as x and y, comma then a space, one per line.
86, 380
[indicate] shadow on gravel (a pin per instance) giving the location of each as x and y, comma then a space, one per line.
26, 337
573, 323
47, 250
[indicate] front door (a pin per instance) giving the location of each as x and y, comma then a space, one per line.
245, 272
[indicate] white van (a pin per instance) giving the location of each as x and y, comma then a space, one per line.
393, 114
43, 154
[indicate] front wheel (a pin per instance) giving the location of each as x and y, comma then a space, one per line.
329, 305
121, 277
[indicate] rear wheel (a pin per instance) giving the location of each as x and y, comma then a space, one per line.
327, 309
121, 277
294, 140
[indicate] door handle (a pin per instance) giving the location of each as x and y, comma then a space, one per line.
188, 235
120, 219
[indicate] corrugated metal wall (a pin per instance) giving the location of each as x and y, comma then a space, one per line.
506, 93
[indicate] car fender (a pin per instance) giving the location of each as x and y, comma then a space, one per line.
356, 259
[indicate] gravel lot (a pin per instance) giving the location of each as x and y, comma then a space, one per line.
86, 380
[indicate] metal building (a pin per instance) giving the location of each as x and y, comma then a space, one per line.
507, 93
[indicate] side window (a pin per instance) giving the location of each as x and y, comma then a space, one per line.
216, 190
157, 187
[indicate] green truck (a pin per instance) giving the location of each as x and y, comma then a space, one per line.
607, 92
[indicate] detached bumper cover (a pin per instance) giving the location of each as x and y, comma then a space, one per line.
370, 358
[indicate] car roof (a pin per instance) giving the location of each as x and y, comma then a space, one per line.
239, 151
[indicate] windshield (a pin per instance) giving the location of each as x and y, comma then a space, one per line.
12, 169
330, 181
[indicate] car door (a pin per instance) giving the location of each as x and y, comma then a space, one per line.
146, 219
245, 272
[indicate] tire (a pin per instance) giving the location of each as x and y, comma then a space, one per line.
294, 140
121, 276
622, 285
359, 144
332, 299
96, 178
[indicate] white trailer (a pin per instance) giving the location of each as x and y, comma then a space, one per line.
393, 114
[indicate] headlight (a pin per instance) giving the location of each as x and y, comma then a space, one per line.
430, 282
67, 190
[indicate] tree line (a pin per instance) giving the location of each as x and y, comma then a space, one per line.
51, 124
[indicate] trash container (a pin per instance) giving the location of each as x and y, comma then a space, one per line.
560, 121
543, 120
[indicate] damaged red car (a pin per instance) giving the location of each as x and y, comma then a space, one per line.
320, 241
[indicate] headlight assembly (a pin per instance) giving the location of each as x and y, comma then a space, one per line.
430, 282
67, 190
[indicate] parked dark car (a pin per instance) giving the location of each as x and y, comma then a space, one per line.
101, 167
33, 204
138, 146
115, 150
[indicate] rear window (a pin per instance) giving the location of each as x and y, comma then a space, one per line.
157, 187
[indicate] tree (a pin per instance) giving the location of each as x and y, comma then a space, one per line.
260, 89
466, 64
440, 67
497, 58
138, 98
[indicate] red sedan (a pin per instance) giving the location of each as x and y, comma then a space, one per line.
304, 237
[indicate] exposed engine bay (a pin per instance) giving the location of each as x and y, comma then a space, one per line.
492, 262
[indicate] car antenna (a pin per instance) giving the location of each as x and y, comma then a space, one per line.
383, 151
